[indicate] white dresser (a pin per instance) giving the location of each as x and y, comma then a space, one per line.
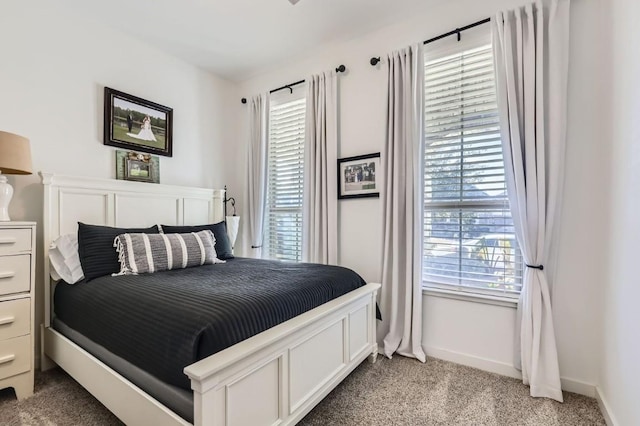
17, 291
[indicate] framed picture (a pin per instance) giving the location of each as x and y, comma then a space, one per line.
137, 124
357, 176
137, 166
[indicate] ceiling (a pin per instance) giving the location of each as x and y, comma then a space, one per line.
238, 38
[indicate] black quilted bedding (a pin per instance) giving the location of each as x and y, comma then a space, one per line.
165, 321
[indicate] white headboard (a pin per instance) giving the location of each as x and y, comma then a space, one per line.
69, 200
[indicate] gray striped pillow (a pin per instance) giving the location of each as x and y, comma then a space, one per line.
141, 253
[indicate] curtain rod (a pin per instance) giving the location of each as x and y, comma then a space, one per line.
340, 68
374, 61
457, 31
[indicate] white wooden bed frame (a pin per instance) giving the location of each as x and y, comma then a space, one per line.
275, 377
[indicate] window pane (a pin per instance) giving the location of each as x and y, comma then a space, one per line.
473, 248
283, 222
469, 240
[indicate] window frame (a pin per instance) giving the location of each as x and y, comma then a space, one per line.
471, 39
279, 99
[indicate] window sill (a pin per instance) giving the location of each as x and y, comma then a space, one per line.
506, 302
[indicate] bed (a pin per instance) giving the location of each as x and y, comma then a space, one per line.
273, 377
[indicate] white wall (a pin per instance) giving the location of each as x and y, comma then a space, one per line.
54, 70
481, 335
619, 384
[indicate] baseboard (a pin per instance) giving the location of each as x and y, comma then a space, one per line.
484, 364
504, 369
576, 386
605, 408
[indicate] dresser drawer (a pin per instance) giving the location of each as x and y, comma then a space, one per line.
15, 356
15, 318
15, 273
14, 241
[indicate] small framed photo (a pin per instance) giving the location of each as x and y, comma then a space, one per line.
137, 124
137, 166
357, 176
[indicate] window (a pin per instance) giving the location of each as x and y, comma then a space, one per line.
283, 227
469, 239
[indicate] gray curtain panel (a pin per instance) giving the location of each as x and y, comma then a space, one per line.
320, 209
257, 172
401, 294
531, 46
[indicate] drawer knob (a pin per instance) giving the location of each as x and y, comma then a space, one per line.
7, 320
7, 240
7, 358
7, 275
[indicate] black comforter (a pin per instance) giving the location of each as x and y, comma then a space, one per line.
165, 321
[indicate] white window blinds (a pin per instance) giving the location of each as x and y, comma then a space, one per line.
283, 227
469, 241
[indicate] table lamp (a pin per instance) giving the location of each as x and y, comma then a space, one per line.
15, 159
233, 222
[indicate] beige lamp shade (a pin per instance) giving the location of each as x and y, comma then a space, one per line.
15, 154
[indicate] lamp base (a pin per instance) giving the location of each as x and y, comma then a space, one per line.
6, 193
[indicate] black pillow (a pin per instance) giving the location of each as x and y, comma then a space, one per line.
98, 257
223, 245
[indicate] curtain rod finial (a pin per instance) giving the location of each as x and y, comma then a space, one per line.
243, 100
341, 68
374, 61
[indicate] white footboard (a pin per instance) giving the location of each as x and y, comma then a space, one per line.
278, 376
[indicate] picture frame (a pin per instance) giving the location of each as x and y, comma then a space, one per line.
136, 166
357, 176
137, 124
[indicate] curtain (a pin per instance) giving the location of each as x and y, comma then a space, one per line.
257, 171
402, 205
531, 50
320, 209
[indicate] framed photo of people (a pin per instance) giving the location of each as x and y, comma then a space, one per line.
357, 176
137, 124
137, 166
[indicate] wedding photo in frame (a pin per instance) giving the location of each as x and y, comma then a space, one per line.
137, 124
357, 176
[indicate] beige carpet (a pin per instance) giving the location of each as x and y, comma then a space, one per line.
400, 391
404, 391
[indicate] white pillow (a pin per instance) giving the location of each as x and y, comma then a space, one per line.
64, 259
